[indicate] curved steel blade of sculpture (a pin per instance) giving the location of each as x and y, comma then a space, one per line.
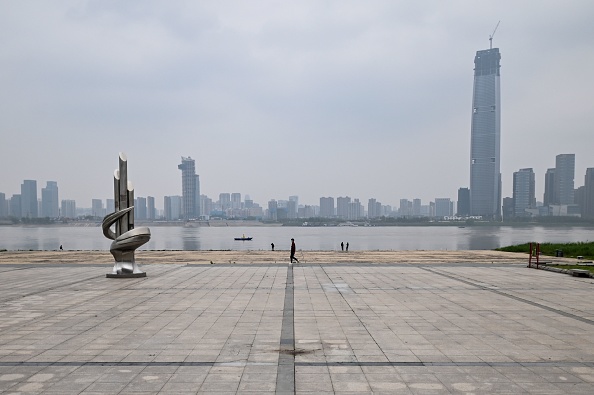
126, 238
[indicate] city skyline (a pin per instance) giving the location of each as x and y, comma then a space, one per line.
561, 180
369, 100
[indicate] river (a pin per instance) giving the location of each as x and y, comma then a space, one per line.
306, 238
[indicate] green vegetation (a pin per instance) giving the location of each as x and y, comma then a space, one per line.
570, 250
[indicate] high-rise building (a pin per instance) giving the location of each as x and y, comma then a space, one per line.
97, 209
272, 210
172, 207
416, 207
549, 188
14, 206
443, 207
151, 211
342, 207
326, 207
485, 174
225, 201
564, 178
3, 206
248, 202
29, 207
291, 209
50, 206
140, 208
236, 200
405, 208
588, 198
109, 206
523, 192
463, 208
68, 209
206, 205
356, 210
190, 189
374, 208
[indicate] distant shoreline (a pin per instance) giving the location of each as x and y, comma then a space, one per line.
241, 223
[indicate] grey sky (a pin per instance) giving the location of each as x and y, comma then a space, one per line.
309, 98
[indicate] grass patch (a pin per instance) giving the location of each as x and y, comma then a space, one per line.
570, 250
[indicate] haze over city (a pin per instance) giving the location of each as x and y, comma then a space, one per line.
369, 100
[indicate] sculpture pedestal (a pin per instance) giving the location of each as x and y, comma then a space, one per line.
126, 270
126, 275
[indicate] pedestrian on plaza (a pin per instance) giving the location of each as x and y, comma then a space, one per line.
293, 251
347, 246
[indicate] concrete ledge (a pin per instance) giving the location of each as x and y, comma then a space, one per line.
580, 273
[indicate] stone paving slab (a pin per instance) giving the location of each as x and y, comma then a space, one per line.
312, 328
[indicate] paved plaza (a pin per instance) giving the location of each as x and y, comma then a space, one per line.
303, 328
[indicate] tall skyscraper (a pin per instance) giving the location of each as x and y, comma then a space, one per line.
50, 206
485, 174
190, 189
564, 178
523, 193
29, 208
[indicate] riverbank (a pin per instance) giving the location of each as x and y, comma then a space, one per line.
255, 257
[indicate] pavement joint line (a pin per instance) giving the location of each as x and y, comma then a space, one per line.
517, 298
303, 363
285, 378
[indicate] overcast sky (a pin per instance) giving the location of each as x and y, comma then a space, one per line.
278, 98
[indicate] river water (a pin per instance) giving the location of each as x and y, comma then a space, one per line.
306, 238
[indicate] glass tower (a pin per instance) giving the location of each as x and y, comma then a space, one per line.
485, 174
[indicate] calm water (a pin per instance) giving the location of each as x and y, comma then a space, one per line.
306, 238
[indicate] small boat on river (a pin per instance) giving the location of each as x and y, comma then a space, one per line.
243, 238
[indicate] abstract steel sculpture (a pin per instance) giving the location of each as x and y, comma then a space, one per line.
126, 239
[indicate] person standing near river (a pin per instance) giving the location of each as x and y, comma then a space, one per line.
293, 251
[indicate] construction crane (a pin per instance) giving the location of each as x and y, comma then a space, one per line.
491, 36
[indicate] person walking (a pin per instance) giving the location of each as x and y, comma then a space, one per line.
293, 251
342, 246
347, 246
272, 245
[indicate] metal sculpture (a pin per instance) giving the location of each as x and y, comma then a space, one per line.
126, 238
